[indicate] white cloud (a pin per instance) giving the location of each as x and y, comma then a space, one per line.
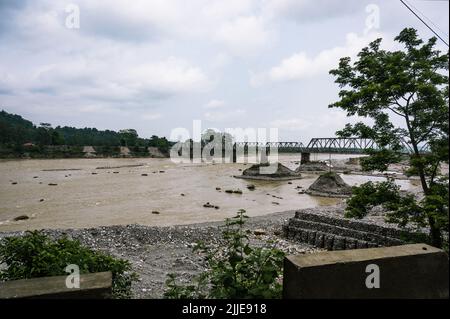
219, 10
292, 124
151, 116
220, 116
329, 122
310, 10
108, 80
168, 76
245, 35
214, 104
301, 65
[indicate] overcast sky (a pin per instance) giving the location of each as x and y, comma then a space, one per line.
155, 65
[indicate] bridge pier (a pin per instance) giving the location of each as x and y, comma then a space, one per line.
305, 158
264, 152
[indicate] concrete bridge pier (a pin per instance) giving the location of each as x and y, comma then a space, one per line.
264, 153
305, 158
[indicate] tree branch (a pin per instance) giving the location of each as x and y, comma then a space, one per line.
395, 111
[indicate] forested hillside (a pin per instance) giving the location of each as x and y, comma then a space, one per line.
17, 133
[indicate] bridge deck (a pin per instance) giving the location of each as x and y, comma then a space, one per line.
327, 145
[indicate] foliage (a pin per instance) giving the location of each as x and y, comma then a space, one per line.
15, 131
236, 271
405, 94
37, 255
371, 194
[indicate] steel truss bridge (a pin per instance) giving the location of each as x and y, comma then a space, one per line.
325, 145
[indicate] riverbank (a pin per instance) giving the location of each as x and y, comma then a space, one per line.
155, 252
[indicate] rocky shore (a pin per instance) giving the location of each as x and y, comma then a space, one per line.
156, 251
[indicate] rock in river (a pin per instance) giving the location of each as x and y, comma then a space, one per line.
21, 217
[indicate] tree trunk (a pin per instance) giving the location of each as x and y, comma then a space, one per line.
435, 233
420, 167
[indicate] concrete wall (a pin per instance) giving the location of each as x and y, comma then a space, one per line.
407, 271
92, 286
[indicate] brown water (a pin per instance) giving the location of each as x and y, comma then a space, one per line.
83, 200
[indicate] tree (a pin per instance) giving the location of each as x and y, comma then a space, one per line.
43, 134
128, 137
410, 85
57, 139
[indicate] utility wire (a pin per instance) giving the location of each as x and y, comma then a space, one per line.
409, 8
428, 19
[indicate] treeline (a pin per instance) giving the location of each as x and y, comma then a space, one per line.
17, 133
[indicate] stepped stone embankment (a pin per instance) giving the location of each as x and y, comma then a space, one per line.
334, 233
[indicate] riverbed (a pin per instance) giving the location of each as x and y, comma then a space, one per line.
75, 193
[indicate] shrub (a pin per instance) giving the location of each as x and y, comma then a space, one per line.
236, 270
370, 194
37, 255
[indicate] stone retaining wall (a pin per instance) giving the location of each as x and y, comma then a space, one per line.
333, 233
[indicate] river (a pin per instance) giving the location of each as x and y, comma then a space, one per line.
123, 196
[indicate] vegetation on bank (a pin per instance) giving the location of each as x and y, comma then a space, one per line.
408, 87
19, 137
236, 269
37, 255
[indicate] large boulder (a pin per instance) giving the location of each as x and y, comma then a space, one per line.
330, 184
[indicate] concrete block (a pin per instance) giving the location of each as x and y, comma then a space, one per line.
92, 286
409, 271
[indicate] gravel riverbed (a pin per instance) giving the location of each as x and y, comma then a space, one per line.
155, 252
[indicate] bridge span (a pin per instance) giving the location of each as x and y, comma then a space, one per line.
338, 145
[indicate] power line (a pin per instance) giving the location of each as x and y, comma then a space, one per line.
409, 8
428, 19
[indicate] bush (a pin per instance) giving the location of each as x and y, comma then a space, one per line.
37, 255
236, 270
370, 194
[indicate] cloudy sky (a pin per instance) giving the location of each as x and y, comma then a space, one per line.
156, 65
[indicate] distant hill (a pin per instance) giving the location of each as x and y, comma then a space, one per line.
15, 131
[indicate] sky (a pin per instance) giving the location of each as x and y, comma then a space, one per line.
158, 65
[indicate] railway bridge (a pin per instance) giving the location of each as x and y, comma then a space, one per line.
336, 145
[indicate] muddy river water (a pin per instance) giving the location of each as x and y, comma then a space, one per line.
123, 196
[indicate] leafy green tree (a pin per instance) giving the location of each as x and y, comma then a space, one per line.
43, 136
57, 139
128, 137
410, 85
